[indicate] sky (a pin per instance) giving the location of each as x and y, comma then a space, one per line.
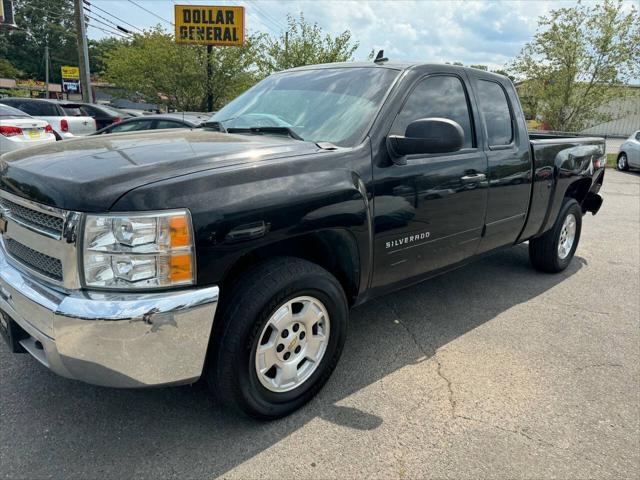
471, 32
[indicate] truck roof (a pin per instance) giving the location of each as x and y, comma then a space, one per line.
397, 65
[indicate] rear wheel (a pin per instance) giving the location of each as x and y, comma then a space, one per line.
622, 164
553, 251
279, 337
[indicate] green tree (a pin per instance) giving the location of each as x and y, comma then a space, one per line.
304, 44
7, 70
155, 67
578, 58
98, 51
41, 22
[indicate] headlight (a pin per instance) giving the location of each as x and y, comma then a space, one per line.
139, 251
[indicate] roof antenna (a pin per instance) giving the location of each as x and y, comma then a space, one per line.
380, 57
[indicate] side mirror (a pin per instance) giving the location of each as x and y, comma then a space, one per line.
427, 135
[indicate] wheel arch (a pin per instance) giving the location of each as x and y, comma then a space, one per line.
578, 189
334, 249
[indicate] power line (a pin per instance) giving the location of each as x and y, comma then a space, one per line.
152, 13
106, 24
265, 17
118, 27
111, 14
107, 31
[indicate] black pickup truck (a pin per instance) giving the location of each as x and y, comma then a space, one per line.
234, 252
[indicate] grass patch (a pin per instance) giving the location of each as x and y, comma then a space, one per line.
611, 160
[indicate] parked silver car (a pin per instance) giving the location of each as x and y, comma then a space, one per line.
629, 155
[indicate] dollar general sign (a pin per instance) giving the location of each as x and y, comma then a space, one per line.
208, 25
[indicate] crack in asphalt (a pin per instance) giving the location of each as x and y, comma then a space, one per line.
429, 354
598, 365
454, 405
539, 441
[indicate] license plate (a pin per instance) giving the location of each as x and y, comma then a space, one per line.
33, 133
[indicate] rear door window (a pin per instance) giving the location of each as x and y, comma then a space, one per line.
160, 124
441, 96
495, 110
131, 126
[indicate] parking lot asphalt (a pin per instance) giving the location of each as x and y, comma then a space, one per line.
491, 371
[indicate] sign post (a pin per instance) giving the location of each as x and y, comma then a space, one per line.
222, 26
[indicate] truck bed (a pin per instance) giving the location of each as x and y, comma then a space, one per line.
556, 162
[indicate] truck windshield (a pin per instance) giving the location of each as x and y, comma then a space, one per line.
332, 105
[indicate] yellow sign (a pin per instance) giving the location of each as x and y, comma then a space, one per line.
30, 83
70, 73
207, 25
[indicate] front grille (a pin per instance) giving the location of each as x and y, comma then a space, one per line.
31, 217
41, 263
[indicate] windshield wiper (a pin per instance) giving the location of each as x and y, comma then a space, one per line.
262, 130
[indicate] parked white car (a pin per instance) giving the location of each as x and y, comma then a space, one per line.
629, 153
66, 118
19, 130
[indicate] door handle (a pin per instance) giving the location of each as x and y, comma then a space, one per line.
476, 177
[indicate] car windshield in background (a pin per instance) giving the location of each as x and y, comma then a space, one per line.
332, 105
7, 111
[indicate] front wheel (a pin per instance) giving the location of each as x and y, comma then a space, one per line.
279, 338
553, 251
622, 164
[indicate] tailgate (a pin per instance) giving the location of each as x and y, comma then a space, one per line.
81, 125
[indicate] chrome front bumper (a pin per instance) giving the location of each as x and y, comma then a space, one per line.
111, 339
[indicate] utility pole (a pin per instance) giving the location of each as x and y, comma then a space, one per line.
209, 80
83, 52
46, 66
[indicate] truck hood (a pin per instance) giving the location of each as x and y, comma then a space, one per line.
89, 174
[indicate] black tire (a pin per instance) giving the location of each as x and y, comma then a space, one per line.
230, 369
622, 163
543, 251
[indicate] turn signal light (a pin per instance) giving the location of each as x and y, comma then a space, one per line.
180, 268
8, 131
179, 231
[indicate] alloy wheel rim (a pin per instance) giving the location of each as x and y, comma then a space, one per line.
622, 161
292, 344
567, 236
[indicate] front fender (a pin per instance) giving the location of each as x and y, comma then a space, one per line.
237, 210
